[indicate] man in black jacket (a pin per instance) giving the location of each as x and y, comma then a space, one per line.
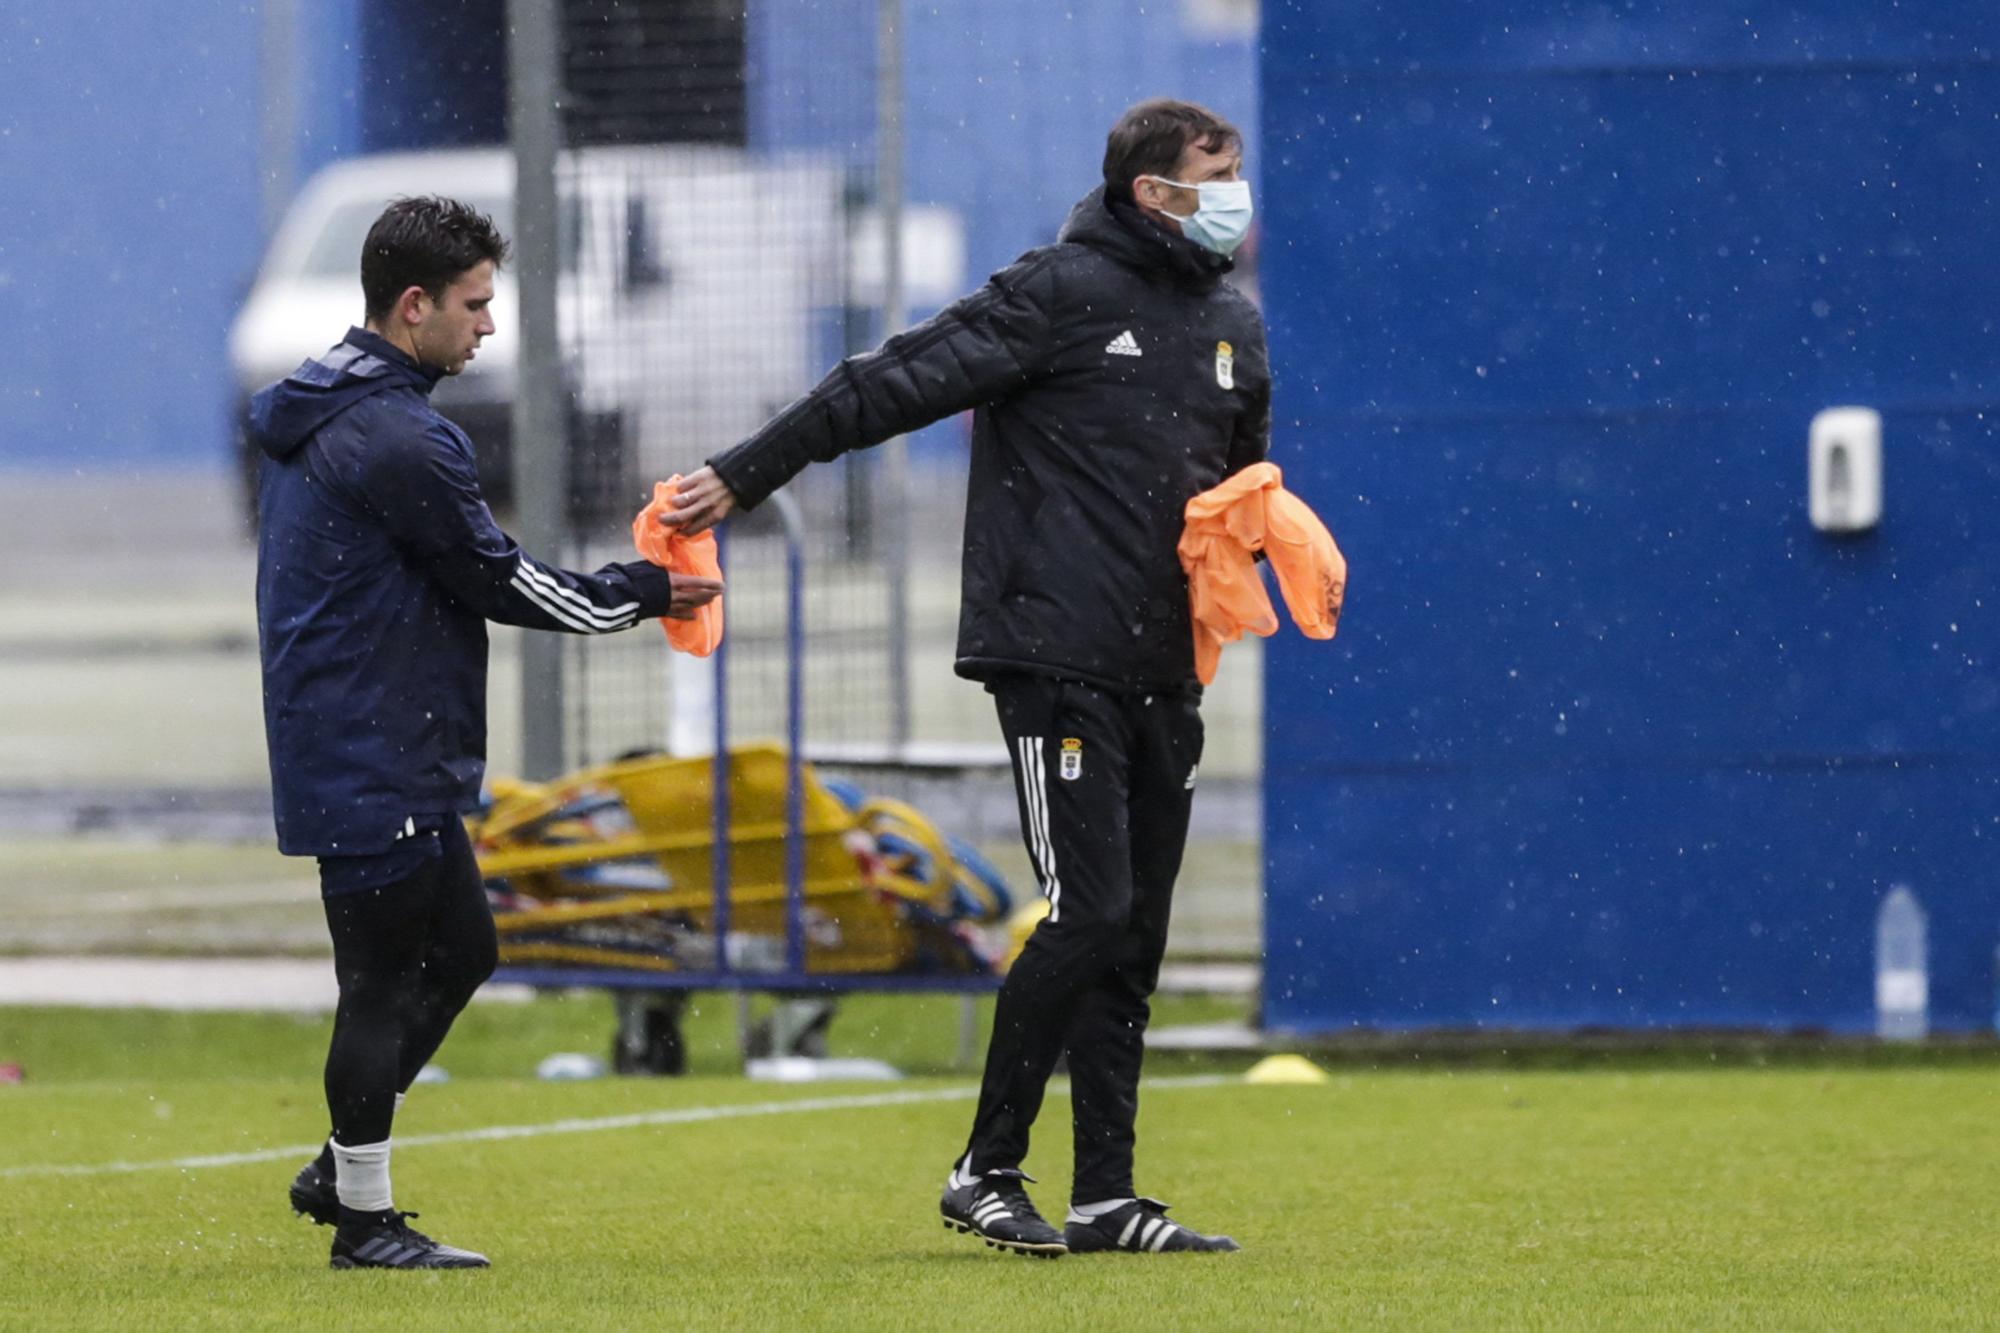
378, 565
1113, 376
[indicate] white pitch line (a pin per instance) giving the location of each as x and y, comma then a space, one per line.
687, 1115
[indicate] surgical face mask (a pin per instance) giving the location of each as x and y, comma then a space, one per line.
1222, 218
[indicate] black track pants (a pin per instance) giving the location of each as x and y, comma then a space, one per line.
1105, 782
408, 956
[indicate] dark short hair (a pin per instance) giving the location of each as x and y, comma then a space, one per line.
424, 242
1148, 140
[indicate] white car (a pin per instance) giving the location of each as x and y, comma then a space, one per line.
308, 291
696, 290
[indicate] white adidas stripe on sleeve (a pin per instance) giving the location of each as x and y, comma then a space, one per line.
535, 595
606, 617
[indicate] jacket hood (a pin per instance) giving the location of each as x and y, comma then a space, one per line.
1127, 235
283, 416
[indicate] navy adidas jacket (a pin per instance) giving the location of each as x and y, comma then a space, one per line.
378, 565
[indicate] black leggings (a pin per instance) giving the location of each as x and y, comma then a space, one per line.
408, 956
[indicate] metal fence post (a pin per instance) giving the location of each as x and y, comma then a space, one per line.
795, 798
534, 93
721, 863
896, 458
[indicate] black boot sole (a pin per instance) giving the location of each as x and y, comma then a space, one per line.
1109, 1248
1053, 1250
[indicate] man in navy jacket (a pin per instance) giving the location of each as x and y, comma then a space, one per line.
378, 565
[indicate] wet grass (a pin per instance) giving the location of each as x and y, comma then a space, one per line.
1739, 1197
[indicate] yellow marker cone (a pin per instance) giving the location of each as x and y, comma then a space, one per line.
1285, 1069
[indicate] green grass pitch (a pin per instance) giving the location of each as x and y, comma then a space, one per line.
1798, 1197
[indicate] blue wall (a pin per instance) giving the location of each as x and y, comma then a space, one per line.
1006, 108
1611, 734
129, 221
1007, 105
431, 75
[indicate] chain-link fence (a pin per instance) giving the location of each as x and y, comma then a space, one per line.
720, 275
732, 198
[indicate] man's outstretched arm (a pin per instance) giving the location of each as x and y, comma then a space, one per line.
427, 491
974, 351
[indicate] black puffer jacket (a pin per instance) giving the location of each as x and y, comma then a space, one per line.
1114, 376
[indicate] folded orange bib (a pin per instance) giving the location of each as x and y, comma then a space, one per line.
1226, 526
678, 553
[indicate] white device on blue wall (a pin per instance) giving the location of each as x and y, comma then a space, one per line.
1844, 469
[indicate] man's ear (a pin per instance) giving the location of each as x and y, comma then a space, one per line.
410, 306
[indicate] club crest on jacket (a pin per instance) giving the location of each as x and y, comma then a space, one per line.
1072, 759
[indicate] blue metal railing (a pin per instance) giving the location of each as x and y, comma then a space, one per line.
795, 841
724, 974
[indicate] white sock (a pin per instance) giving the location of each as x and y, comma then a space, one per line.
1085, 1212
361, 1176
961, 1175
